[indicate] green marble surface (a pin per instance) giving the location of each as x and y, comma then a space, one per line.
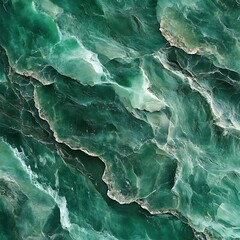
119, 120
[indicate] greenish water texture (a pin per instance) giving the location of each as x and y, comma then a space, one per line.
119, 119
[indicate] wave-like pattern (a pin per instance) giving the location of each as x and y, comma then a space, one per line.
119, 119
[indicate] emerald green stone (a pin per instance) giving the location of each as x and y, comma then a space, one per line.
119, 120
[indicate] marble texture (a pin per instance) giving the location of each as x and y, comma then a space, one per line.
119, 119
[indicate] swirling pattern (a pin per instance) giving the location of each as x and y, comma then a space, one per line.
119, 119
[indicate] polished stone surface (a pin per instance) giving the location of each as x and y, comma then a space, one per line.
119, 119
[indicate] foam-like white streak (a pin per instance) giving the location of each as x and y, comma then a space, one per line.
79, 58
76, 232
60, 201
88, 56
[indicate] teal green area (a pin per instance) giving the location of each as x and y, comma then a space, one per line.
49, 191
119, 120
